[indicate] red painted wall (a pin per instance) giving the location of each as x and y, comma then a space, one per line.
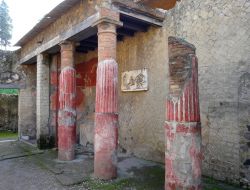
85, 99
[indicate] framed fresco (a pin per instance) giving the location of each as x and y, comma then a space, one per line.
136, 80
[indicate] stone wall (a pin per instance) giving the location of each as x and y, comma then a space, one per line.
142, 114
220, 32
27, 104
6, 61
10, 75
9, 112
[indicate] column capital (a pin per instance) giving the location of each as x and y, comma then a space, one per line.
43, 57
67, 45
106, 15
67, 53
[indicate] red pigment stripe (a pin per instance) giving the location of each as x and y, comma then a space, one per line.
176, 111
186, 104
187, 129
192, 99
181, 108
106, 88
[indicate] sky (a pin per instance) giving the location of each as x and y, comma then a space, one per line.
26, 14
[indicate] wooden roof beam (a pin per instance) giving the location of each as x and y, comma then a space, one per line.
125, 32
135, 26
162, 4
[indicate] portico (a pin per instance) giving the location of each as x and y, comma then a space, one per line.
79, 61
101, 30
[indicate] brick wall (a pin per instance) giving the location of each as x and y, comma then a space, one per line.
42, 96
27, 104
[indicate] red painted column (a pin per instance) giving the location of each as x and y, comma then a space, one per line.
106, 117
183, 128
67, 107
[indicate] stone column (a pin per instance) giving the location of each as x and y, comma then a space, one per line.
67, 106
183, 128
42, 101
106, 117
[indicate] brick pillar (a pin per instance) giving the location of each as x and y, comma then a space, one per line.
106, 117
67, 107
183, 128
42, 101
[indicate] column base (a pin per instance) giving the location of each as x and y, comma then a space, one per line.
183, 156
106, 141
66, 143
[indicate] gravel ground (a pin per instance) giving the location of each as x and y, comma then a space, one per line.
21, 172
23, 167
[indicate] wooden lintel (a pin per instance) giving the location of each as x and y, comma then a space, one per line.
134, 26
88, 44
125, 32
152, 16
162, 4
67, 35
87, 48
92, 39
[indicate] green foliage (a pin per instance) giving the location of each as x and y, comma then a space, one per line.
5, 25
212, 184
8, 135
107, 185
150, 178
9, 91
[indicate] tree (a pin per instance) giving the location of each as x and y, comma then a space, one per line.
5, 25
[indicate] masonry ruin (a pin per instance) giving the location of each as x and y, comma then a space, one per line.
74, 59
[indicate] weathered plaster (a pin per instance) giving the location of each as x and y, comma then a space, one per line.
220, 32
142, 114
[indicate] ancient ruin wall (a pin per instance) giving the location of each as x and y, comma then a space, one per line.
220, 32
8, 112
141, 114
27, 104
10, 77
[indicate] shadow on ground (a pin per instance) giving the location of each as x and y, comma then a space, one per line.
42, 170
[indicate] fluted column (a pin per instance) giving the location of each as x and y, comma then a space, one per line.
106, 117
67, 106
183, 127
